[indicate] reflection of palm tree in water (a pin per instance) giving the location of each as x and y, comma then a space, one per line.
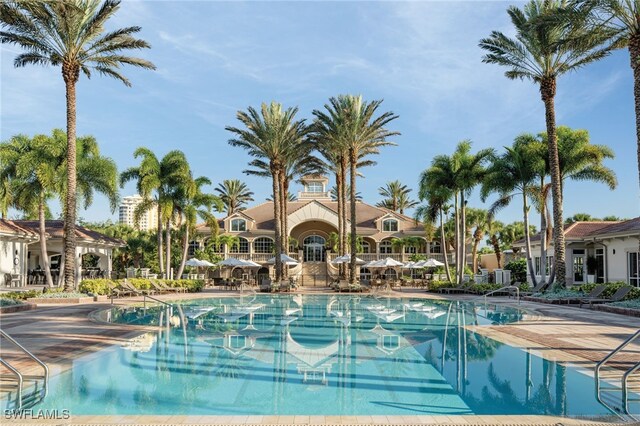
502, 398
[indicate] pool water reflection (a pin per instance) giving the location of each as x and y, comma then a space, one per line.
320, 355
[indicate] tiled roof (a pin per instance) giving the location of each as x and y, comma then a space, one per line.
10, 227
581, 230
366, 214
55, 229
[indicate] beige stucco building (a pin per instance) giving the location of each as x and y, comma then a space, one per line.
312, 218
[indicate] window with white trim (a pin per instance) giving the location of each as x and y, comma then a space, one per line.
633, 266
386, 247
366, 247
315, 187
390, 225
435, 247
238, 225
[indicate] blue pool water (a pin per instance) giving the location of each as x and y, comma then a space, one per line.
319, 355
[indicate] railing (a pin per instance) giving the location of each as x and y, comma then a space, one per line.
24, 350
500, 290
168, 307
20, 381
625, 376
625, 386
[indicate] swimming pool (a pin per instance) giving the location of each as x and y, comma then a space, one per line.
319, 355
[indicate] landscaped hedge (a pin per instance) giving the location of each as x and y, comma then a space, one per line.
101, 286
21, 295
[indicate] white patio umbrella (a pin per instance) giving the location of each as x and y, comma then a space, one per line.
196, 262
372, 264
207, 264
347, 259
432, 263
389, 262
233, 262
284, 259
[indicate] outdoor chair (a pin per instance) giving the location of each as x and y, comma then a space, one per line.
265, 286
617, 297
160, 289
115, 290
460, 288
539, 288
169, 288
127, 285
594, 294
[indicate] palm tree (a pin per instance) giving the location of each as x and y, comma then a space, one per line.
494, 232
334, 193
513, 174
70, 34
351, 123
271, 135
436, 207
546, 46
35, 169
477, 219
396, 197
156, 181
193, 203
234, 194
298, 164
620, 19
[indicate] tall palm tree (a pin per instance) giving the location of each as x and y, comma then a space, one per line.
396, 197
156, 181
545, 47
511, 175
193, 203
70, 34
477, 219
235, 194
35, 171
352, 123
436, 207
494, 231
271, 135
620, 19
334, 193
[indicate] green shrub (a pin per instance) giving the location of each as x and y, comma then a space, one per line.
61, 295
96, 287
437, 285
192, 286
9, 302
21, 295
518, 268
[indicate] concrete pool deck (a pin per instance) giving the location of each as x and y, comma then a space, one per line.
58, 334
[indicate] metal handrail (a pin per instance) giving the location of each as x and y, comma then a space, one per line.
497, 291
623, 345
20, 381
625, 390
33, 357
169, 307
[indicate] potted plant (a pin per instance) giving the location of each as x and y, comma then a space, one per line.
592, 265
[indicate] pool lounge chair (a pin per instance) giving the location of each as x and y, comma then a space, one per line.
116, 291
163, 289
176, 289
594, 294
265, 286
620, 294
460, 288
126, 284
539, 288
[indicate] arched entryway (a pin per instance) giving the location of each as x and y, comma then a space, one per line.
314, 248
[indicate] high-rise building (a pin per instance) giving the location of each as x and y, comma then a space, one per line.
148, 220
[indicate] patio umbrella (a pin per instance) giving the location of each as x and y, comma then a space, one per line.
389, 263
432, 263
196, 262
347, 259
233, 262
284, 259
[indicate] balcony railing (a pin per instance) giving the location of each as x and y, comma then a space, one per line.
367, 257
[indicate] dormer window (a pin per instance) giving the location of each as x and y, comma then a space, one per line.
314, 187
390, 225
238, 225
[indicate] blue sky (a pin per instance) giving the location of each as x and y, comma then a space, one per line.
215, 58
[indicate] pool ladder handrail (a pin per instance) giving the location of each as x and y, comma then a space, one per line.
625, 376
501, 289
169, 306
24, 350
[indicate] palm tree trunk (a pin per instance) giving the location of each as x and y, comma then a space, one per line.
463, 236
168, 248
354, 240
340, 222
160, 257
443, 244
43, 242
527, 238
70, 76
344, 171
275, 173
548, 91
634, 52
543, 235
456, 214
474, 253
496, 248
185, 250
284, 196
